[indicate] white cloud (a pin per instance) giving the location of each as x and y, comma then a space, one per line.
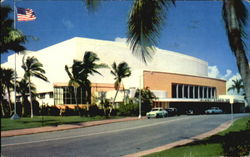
214, 72
227, 75
122, 40
68, 24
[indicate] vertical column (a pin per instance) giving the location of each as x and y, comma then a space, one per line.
183, 86
211, 93
207, 92
198, 92
177, 91
203, 92
188, 91
215, 93
193, 92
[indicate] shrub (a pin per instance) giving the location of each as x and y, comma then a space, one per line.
128, 110
53, 111
95, 111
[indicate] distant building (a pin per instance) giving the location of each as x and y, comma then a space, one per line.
175, 78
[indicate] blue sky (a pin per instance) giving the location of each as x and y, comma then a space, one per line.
194, 28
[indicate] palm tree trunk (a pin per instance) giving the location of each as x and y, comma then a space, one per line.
31, 104
22, 105
8, 90
77, 106
244, 70
234, 32
2, 110
113, 103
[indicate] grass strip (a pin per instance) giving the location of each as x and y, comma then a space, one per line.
39, 121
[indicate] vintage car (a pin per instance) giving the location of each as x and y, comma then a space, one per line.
157, 113
213, 110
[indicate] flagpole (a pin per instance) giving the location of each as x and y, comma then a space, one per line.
15, 115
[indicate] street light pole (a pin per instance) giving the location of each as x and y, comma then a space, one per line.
140, 96
231, 100
15, 115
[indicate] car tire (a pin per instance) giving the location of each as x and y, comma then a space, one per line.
157, 116
148, 117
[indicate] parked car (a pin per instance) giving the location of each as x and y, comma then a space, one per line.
157, 113
213, 110
172, 111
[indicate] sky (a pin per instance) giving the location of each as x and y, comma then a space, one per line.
195, 28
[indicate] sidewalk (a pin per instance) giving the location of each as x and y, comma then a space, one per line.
62, 127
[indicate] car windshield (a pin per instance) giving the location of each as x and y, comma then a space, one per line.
155, 109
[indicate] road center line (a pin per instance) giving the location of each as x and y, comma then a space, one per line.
99, 133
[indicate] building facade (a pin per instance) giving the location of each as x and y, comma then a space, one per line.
171, 76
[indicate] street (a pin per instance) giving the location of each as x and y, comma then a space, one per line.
112, 140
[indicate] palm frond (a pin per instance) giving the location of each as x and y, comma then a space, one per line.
92, 5
40, 76
144, 24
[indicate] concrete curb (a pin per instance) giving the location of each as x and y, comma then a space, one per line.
63, 127
220, 128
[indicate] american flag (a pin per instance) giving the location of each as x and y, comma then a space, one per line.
25, 14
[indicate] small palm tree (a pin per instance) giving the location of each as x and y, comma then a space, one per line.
32, 67
23, 89
89, 66
8, 76
237, 85
120, 71
80, 73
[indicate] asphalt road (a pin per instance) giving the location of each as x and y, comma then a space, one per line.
111, 140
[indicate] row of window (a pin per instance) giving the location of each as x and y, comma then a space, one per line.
191, 91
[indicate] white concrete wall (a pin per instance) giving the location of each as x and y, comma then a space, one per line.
55, 57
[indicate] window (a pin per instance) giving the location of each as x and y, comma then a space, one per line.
66, 95
42, 95
50, 94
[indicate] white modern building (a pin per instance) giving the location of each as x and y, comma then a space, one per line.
171, 76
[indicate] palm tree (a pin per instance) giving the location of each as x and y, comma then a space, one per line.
237, 85
23, 89
120, 71
8, 76
32, 67
235, 18
10, 38
89, 67
81, 70
146, 18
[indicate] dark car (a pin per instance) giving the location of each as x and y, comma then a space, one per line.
172, 111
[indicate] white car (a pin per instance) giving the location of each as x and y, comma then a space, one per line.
157, 113
213, 110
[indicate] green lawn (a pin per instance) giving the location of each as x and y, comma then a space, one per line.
38, 121
235, 141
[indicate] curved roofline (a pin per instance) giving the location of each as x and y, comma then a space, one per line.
158, 50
